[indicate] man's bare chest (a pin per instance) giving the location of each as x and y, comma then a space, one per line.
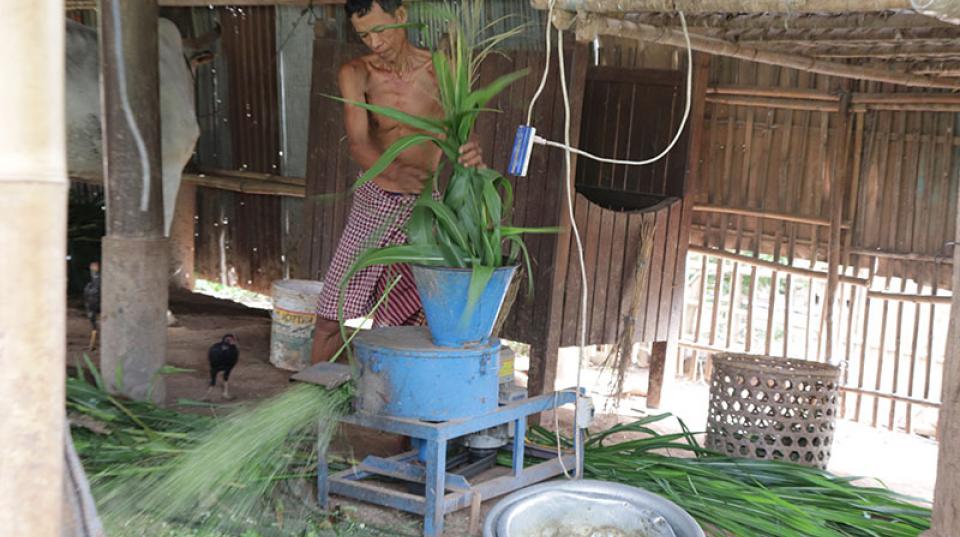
417, 95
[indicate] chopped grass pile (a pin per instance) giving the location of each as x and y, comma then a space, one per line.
742, 497
244, 474
244, 471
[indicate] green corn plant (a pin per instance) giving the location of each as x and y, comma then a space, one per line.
469, 227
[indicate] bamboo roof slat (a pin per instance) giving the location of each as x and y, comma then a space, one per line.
594, 25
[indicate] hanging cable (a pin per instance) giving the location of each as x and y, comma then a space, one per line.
546, 65
125, 105
683, 122
568, 187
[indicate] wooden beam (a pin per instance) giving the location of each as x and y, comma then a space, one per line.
233, 182
727, 6
591, 26
864, 48
789, 33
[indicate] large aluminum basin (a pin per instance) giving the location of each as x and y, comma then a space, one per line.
588, 508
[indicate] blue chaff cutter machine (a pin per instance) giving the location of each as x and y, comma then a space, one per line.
445, 399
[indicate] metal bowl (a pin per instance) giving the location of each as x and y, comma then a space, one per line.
587, 508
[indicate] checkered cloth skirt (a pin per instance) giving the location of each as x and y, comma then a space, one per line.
377, 218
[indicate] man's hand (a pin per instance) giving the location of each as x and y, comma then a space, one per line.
471, 156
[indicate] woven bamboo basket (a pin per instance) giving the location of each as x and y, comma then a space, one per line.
773, 408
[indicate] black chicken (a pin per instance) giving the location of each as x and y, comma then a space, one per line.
223, 356
91, 302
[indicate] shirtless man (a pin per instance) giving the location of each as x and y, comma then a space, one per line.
396, 75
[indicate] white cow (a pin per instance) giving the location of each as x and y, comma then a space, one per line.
178, 116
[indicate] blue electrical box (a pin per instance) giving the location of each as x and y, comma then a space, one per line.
403, 374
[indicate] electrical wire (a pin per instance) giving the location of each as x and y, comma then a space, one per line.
125, 105
546, 65
568, 184
683, 122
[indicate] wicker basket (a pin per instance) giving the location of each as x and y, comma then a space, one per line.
773, 408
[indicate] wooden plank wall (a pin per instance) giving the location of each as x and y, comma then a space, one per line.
620, 107
241, 238
899, 178
611, 241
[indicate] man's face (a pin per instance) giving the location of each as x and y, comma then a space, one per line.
384, 43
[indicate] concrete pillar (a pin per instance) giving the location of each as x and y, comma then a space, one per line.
135, 252
182, 243
946, 502
33, 228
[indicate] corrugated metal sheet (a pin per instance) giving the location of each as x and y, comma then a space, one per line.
244, 239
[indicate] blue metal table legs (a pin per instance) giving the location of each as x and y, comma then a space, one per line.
443, 492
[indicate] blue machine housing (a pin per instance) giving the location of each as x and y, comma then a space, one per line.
403, 374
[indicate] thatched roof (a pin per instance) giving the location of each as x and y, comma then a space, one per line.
885, 36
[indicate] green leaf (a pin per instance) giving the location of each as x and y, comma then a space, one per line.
391, 154
479, 278
417, 122
509, 231
447, 221
526, 261
97, 379
480, 97
410, 254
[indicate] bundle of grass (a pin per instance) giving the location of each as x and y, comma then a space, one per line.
746, 498
232, 476
117, 438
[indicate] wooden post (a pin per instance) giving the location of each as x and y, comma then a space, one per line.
182, 243
33, 236
658, 360
692, 189
135, 252
837, 169
946, 514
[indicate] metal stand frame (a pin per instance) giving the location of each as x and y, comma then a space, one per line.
445, 492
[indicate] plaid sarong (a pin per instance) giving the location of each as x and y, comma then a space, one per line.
377, 218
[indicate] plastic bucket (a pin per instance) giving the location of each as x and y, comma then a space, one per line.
443, 292
294, 315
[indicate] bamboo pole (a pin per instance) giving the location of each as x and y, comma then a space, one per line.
819, 105
33, 229
762, 263
818, 95
773, 102
903, 256
773, 215
893, 397
911, 298
729, 6
593, 25
764, 91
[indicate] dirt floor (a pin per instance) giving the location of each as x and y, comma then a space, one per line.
203, 320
